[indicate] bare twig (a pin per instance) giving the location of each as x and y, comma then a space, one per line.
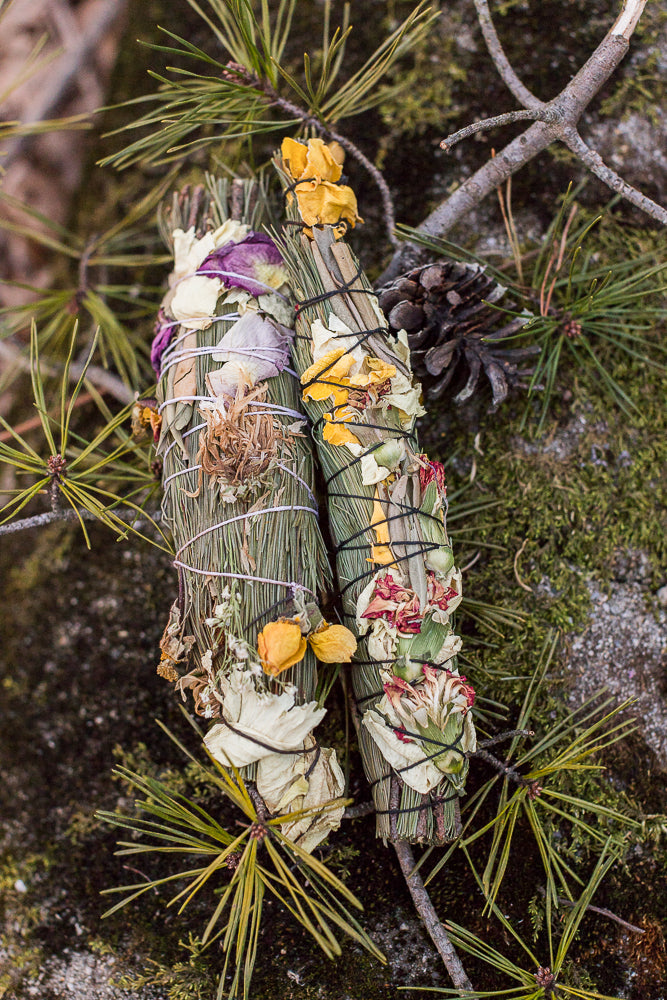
520, 90
356, 812
509, 734
68, 514
597, 166
508, 118
533, 788
426, 911
557, 121
603, 913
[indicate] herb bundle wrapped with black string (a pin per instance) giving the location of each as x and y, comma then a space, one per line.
387, 506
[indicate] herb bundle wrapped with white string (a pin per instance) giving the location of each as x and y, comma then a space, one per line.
237, 474
387, 506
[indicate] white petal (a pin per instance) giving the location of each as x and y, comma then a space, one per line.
260, 723
371, 472
195, 300
422, 775
230, 231
450, 647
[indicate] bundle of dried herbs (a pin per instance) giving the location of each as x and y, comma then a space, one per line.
387, 505
244, 635
456, 340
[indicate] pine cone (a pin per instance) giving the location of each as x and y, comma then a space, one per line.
452, 331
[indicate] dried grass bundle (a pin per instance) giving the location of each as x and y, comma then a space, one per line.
237, 478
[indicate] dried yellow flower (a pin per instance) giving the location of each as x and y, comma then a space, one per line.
333, 367
315, 162
146, 421
381, 554
316, 168
337, 433
333, 644
280, 645
373, 372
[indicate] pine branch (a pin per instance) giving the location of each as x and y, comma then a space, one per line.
97, 376
68, 514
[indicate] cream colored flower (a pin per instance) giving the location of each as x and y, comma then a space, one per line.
195, 300
257, 723
424, 730
195, 296
288, 785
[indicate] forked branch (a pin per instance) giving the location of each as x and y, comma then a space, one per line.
555, 121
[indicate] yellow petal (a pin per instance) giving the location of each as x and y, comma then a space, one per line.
294, 156
326, 204
280, 645
373, 372
382, 555
335, 433
337, 152
333, 644
321, 163
379, 524
333, 367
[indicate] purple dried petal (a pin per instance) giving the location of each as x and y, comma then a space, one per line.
238, 265
164, 331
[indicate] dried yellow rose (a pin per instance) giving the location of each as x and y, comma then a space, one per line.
333, 367
315, 169
336, 432
373, 372
280, 645
314, 162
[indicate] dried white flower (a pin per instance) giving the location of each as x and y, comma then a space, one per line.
290, 783
257, 723
424, 730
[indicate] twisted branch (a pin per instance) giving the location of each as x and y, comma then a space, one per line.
430, 919
556, 120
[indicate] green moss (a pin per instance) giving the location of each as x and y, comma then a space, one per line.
21, 956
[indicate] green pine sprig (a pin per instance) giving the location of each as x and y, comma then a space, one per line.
76, 475
242, 867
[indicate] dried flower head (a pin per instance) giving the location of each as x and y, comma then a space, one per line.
280, 645
316, 170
